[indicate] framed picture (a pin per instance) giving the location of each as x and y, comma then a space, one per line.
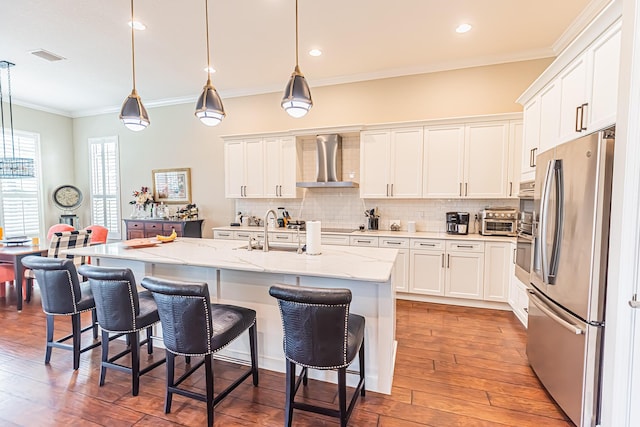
172, 185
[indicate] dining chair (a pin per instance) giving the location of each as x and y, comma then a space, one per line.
61, 241
58, 228
99, 233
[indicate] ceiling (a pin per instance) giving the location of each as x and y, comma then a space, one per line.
253, 44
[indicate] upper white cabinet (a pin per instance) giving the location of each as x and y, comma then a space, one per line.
577, 94
391, 163
486, 160
280, 171
516, 133
260, 167
443, 161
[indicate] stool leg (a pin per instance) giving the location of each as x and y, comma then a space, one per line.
94, 322
29, 289
305, 376
149, 341
47, 354
170, 375
290, 393
361, 360
253, 344
342, 395
135, 362
187, 360
105, 356
208, 369
77, 337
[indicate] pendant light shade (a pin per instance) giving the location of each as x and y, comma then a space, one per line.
297, 96
133, 114
10, 165
209, 108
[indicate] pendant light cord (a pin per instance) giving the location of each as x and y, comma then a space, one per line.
133, 50
13, 147
4, 143
4, 139
296, 34
206, 17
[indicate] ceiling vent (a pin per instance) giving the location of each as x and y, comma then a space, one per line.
45, 54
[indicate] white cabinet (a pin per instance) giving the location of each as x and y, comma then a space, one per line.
573, 98
370, 241
498, 270
519, 300
426, 267
486, 159
335, 239
402, 261
516, 133
280, 170
244, 168
464, 270
531, 139
443, 172
549, 117
391, 163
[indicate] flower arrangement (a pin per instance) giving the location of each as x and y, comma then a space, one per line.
142, 198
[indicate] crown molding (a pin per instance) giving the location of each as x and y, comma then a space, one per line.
582, 21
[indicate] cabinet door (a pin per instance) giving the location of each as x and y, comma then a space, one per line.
464, 275
486, 159
573, 83
443, 162
374, 164
234, 169
288, 167
406, 163
549, 117
427, 272
135, 234
498, 269
531, 116
273, 162
402, 271
254, 168
605, 63
515, 154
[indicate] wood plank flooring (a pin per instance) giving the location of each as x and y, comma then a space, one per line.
455, 366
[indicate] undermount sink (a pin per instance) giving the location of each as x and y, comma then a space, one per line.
275, 247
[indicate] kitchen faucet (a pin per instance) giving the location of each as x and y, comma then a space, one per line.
265, 247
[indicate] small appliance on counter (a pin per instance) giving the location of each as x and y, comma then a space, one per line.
499, 221
457, 222
297, 224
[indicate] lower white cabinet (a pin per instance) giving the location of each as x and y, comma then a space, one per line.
519, 300
464, 270
402, 264
498, 269
427, 272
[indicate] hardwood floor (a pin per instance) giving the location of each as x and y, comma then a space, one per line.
455, 367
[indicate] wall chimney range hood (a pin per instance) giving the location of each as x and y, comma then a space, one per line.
328, 164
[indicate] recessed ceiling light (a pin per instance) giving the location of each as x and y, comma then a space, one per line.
209, 70
137, 25
463, 28
315, 52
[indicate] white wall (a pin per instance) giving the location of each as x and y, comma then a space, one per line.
176, 139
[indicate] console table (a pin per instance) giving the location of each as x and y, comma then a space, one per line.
143, 228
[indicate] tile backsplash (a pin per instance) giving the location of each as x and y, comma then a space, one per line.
343, 208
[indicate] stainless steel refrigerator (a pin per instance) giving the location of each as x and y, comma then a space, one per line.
569, 270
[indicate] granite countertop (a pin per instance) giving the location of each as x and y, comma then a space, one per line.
340, 262
388, 233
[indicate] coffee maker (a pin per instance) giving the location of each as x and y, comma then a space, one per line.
457, 222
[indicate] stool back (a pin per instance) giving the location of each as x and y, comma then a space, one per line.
185, 315
315, 322
114, 291
69, 240
58, 281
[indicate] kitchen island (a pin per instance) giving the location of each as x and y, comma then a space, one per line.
238, 276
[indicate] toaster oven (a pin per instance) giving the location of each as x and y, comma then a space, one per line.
499, 222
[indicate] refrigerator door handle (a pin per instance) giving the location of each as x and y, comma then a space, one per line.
553, 316
544, 212
558, 223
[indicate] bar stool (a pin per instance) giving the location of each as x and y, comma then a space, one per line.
319, 333
63, 295
192, 326
122, 311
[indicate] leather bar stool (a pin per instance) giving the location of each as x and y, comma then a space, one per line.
319, 333
122, 311
63, 295
192, 327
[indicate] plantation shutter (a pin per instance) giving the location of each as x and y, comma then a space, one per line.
105, 173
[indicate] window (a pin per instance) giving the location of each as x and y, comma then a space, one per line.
20, 197
105, 173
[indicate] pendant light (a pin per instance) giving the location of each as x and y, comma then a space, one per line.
11, 167
133, 114
209, 108
297, 96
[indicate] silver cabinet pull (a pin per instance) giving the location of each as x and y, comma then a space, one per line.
431, 245
276, 190
515, 251
460, 189
394, 243
442, 260
510, 188
448, 260
391, 190
578, 117
466, 185
465, 246
387, 190
583, 109
634, 303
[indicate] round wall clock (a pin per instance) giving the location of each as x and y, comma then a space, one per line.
67, 197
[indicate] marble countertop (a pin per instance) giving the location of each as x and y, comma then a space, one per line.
388, 233
342, 262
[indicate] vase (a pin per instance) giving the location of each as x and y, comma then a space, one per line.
138, 212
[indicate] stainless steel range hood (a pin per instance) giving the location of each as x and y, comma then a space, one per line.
328, 164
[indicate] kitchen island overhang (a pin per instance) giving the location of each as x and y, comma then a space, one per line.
241, 277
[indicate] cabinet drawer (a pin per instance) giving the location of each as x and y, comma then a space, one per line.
242, 235
458, 246
335, 239
223, 234
387, 242
363, 241
153, 226
138, 225
280, 237
427, 244
168, 226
